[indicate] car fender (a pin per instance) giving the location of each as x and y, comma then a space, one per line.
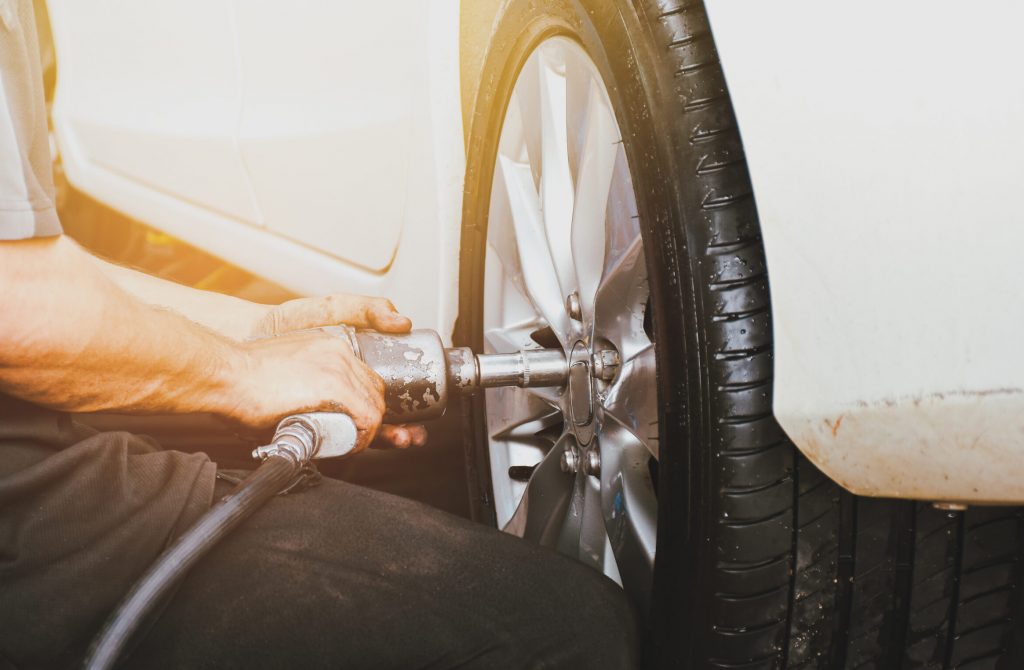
886, 152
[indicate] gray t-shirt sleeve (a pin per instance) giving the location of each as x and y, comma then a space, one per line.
26, 174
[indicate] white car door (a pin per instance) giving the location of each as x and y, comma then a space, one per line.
150, 92
327, 119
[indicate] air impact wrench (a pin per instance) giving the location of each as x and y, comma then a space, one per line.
420, 376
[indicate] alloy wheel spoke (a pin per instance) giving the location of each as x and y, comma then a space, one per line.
599, 148
593, 538
501, 233
630, 509
632, 400
539, 275
622, 219
525, 424
579, 81
556, 183
542, 509
525, 427
501, 241
621, 300
583, 534
621, 230
572, 522
525, 104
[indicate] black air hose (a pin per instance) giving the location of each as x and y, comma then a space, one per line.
259, 487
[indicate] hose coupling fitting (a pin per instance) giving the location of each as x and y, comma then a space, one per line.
303, 437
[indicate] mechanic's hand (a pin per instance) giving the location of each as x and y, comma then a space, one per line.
331, 310
310, 372
352, 310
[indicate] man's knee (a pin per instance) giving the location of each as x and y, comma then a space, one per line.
582, 619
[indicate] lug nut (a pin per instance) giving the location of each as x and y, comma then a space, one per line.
604, 364
592, 463
572, 305
570, 460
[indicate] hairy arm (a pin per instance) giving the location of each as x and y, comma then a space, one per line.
229, 316
71, 338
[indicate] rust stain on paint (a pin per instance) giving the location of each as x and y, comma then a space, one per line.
834, 426
961, 446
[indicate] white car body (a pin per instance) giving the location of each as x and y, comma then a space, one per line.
321, 145
886, 150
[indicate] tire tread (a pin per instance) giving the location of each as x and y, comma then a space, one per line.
869, 583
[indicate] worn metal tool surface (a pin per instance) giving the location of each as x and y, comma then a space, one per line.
420, 376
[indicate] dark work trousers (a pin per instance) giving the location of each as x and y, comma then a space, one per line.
335, 576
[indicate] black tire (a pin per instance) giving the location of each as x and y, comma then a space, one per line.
762, 561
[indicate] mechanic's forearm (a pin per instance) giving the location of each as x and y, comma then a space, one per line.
228, 316
72, 339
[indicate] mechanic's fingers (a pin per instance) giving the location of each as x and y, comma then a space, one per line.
382, 316
402, 436
393, 436
417, 434
365, 399
367, 433
354, 310
365, 312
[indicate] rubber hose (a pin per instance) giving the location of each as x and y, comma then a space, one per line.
148, 592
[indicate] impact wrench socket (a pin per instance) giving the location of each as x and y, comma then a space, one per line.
420, 375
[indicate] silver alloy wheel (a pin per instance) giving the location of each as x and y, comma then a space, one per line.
565, 262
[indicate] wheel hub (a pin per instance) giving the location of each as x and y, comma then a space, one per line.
580, 408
